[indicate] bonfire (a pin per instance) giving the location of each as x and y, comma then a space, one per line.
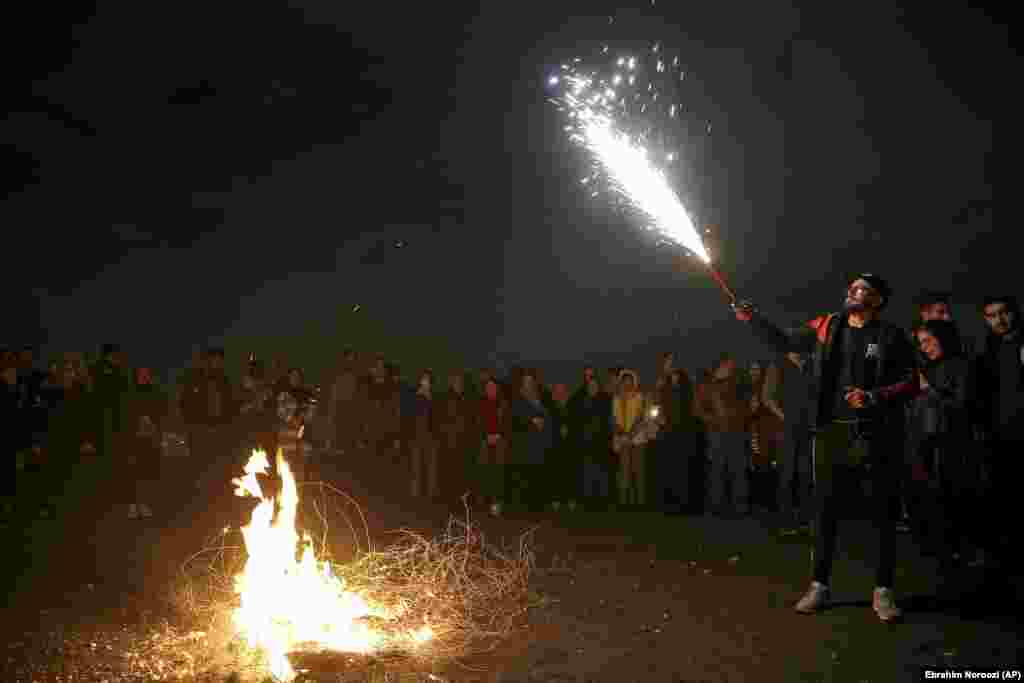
282, 599
289, 598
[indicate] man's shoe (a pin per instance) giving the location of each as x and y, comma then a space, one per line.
814, 600
133, 511
144, 511
884, 604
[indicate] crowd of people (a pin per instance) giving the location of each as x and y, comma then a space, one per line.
928, 426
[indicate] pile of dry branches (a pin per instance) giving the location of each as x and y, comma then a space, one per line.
471, 593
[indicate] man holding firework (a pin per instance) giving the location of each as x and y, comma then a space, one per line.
862, 371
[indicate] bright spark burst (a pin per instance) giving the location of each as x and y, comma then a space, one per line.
605, 121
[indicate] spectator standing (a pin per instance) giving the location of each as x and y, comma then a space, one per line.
630, 413
1000, 414
423, 440
788, 393
295, 410
941, 435
139, 453
344, 403
591, 420
494, 420
564, 461
532, 441
725, 414
459, 437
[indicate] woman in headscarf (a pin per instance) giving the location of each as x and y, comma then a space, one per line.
948, 475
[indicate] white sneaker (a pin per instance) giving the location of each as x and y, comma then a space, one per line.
884, 604
814, 600
145, 511
133, 511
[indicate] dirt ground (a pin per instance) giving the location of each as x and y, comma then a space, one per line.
624, 597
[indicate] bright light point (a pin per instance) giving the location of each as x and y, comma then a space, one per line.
661, 66
609, 93
672, 110
622, 60
604, 49
671, 157
657, 46
632, 62
632, 80
617, 79
553, 80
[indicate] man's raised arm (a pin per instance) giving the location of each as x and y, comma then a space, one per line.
800, 339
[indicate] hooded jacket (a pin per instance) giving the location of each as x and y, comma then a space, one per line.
629, 411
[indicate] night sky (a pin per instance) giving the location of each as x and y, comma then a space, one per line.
196, 172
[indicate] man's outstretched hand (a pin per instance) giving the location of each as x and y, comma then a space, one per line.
744, 311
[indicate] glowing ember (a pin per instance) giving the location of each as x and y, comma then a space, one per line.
290, 602
616, 127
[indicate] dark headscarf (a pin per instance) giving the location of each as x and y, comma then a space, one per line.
948, 335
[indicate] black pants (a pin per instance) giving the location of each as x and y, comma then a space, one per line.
1004, 471
838, 463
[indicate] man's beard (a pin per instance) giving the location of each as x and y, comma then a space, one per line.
854, 306
1005, 330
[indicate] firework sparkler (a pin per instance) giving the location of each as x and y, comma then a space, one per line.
626, 117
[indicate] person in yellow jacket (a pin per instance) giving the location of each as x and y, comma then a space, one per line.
632, 414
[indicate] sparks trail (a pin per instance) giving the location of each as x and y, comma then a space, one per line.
627, 117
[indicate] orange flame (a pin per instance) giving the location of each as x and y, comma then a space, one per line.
287, 600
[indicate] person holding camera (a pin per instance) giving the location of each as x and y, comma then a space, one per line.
863, 371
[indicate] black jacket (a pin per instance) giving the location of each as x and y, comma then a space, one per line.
992, 378
943, 409
894, 380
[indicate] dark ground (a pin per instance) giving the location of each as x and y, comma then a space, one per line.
629, 596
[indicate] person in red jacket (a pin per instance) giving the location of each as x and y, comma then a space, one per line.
493, 423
